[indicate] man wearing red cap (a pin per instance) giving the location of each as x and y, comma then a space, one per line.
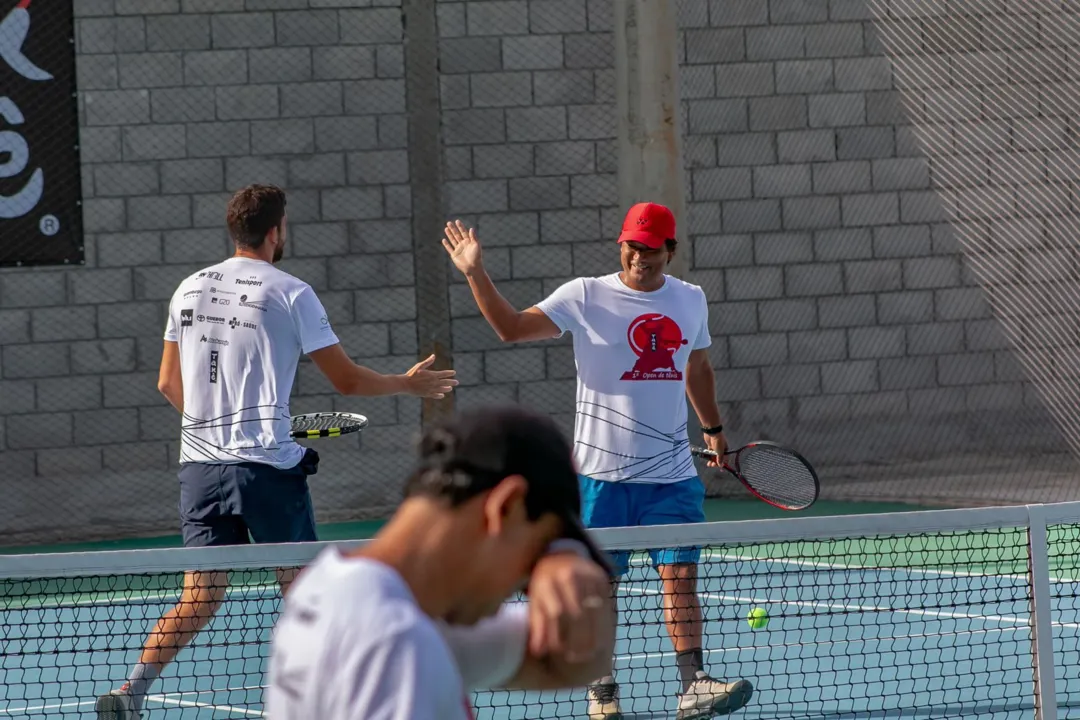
641, 341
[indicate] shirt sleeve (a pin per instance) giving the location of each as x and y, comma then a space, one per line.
490, 653
311, 322
566, 305
704, 339
391, 680
171, 334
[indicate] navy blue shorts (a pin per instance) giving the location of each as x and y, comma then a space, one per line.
246, 502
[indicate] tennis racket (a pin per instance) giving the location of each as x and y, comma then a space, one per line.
326, 424
776, 474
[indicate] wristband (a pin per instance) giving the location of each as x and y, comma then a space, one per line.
713, 430
569, 545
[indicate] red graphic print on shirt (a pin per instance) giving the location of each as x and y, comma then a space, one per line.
655, 339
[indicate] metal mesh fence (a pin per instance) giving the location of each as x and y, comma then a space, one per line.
850, 316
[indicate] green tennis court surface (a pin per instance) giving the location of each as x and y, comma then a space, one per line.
920, 624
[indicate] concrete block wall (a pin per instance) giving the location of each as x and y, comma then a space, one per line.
844, 316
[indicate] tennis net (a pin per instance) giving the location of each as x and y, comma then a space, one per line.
932, 614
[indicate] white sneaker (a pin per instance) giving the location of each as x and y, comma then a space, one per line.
604, 702
707, 697
117, 705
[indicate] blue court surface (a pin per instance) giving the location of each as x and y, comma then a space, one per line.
842, 642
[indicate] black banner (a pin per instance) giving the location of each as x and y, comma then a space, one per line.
40, 184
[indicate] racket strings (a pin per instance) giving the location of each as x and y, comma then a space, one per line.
310, 424
778, 475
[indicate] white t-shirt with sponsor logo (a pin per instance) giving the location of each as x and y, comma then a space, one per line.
241, 326
631, 350
352, 644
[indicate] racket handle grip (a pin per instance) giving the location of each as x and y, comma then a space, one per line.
703, 452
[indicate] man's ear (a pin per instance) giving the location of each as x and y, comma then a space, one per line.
504, 503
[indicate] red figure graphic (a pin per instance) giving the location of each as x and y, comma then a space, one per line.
655, 339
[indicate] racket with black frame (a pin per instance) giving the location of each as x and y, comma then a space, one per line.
771, 472
326, 424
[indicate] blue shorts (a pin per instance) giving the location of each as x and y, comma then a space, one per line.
224, 504
607, 504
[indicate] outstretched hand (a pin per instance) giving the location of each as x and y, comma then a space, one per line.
430, 383
463, 247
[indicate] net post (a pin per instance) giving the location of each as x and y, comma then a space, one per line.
423, 106
649, 114
1042, 632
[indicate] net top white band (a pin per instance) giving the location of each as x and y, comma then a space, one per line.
247, 557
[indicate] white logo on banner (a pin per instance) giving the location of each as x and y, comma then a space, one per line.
13, 30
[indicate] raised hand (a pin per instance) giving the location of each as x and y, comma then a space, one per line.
425, 383
463, 248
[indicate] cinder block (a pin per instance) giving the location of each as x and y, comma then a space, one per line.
471, 127
782, 180
847, 311
99, 286
746, 149
280, 65
251, 102
39, 360
817, 346
128, 249
723, 250
887, 108
33, 290
816, 279
920, 273
147, 7
594, 50
758, 350
563, 87
502, 17
71, 393
342, 62
345, 133
125, 179
351, 203
244, 30
539, 193
539, 124
466, 55
806, 146
962, 304
783, 248
216, 67
174, 105
470, 196
516, 365
842, 177
775, 43
245, 170
14, 327
865, 142
106, 356
369, 97
722, 183
363, 27
565, 158
873, 275
811, 213
786, 315
586, 122
752, 283
837, 110
196, 246
790, 381
798, 11
834, 40
502, 89
557, 16
178, 32
97, 72
905, 307
876, 342
717, 116
150, 70
143, 319
901, 174
159, 213
111, 35
378, 167
751, 215
935, 338
804, 76
965, 369
158, 282
744, 80
738, 12
188, 176
870, 209
541, 261
901, 241
533, 52
850, 377
39, 430
865, 73
778, 113
117, 107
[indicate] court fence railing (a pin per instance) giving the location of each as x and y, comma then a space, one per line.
958, 613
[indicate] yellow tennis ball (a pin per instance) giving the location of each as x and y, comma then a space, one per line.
758, 618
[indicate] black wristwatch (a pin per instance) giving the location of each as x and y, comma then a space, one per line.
713, 430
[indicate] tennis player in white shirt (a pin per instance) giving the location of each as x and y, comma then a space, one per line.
406, 626
641, 340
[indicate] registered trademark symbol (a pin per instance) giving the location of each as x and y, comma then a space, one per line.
49, 225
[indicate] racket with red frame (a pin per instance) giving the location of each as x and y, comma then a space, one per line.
771, 472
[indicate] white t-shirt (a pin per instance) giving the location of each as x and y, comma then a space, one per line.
631, 350
352, 644
241, 326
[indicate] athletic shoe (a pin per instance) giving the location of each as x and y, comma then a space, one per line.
117, 705
604, 701
706, 698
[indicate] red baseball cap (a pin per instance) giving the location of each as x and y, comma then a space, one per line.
649, 224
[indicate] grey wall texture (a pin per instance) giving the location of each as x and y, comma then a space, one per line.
844, 317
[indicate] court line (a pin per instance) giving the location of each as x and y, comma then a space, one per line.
855, 608
164, 699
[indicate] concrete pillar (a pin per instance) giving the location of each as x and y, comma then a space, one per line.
649, 123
